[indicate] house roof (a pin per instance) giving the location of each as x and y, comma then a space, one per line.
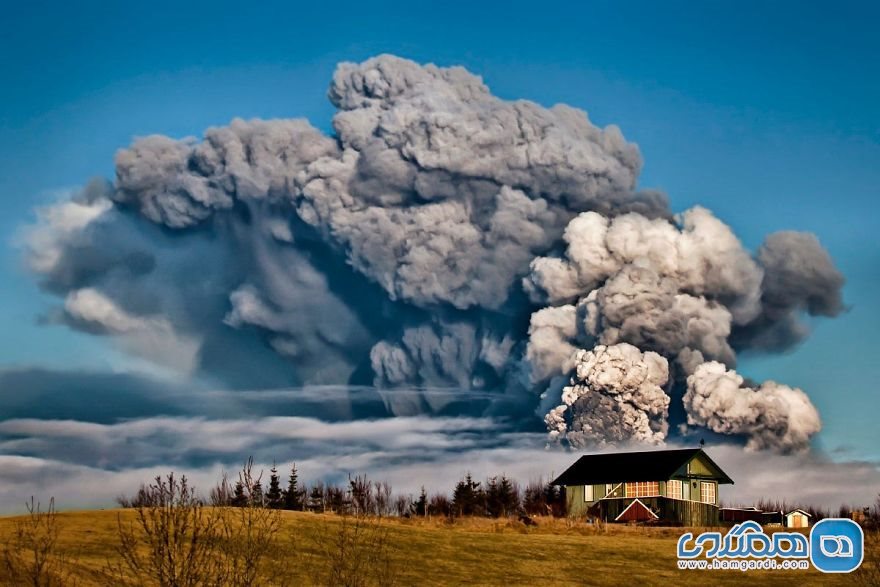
799, 511
619, 467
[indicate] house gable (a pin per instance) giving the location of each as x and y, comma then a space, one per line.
636, 512
700, 466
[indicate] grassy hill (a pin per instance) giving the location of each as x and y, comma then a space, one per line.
435, 552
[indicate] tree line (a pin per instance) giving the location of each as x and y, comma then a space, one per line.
495, 497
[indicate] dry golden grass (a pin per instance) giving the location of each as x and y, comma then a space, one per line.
471, 551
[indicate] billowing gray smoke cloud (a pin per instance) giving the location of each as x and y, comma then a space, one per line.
409, 248
616, 395
688, 290
771, 416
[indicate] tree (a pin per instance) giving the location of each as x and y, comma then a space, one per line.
382, 498
507, 496
534, 499
31, 555
361, 490
316, 498
274, 499
294, 495
239, 499
171, 539
439, 505
420, 507
468, 498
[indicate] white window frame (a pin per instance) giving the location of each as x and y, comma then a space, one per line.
709, 488
643, 489
675, 483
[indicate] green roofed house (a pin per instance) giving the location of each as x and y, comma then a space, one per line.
671, 487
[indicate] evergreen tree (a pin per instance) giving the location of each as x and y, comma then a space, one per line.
508, 497
420, 507
493, 503
316, 498
239, 498
294, 495
468, 498
273, 496
257, 497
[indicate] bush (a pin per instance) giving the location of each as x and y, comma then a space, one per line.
353, 552
31, 555
176, 541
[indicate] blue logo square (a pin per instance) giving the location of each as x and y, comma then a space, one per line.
837, 545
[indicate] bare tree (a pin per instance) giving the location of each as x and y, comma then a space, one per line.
31, 556
353, 552
221, 494
401, 506
362, 498
171, 541
383, 498
246, 535
176, 541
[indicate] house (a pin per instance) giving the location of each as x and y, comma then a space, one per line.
673, 487
797, 519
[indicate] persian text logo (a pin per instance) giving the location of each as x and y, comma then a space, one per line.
837, 545
745, 540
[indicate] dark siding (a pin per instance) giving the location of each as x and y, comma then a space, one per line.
669, 511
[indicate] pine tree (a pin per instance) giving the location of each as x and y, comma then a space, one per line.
273, 495
239, 499
508, 496
420, 507
316, 498
257, 498
493, 501
294, 495
468, 498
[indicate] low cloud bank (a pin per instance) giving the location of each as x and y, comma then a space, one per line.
86, 464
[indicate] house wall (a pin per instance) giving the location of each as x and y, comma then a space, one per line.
670, 511
796, 520
575, 504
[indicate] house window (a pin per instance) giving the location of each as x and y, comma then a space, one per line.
707, 492
643, 489
673, 489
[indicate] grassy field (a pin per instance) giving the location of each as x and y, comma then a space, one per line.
472, 552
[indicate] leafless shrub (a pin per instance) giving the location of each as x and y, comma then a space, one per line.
382, 498
139, 499
171, 542
439, 505
354, 551
402, 506
245, 535
176, 541
31, 556
361, 496
221, 494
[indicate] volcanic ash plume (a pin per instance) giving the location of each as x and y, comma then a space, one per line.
616, 395
409, 248
771, 416
686, 289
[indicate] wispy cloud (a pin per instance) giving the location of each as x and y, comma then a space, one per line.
86, 464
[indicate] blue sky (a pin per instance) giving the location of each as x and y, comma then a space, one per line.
767, 113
